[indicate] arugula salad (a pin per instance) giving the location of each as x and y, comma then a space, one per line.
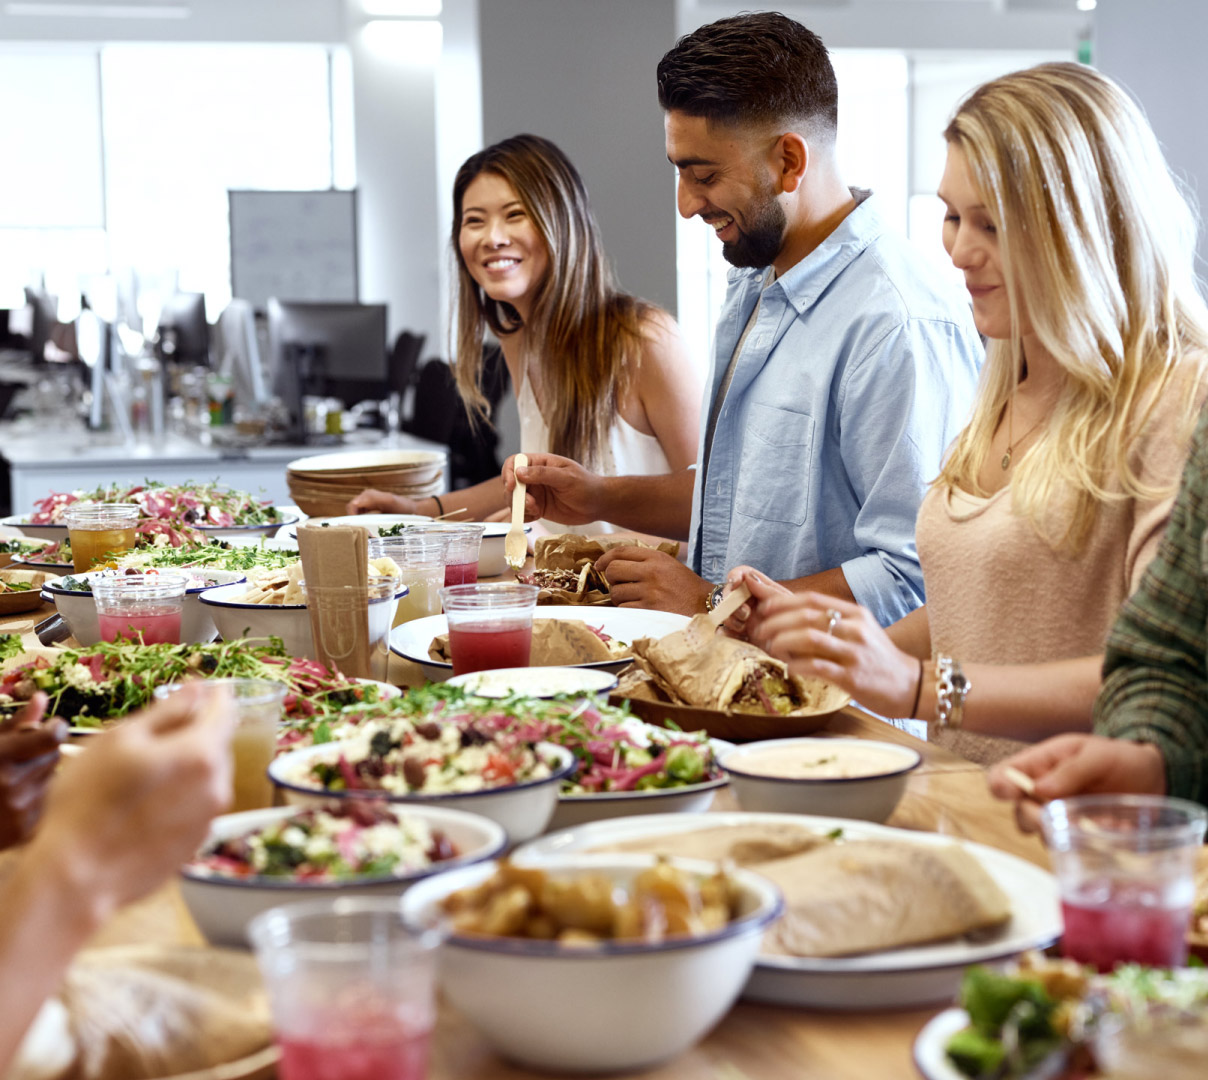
614, 750
98, 684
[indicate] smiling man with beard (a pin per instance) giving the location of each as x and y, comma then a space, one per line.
843, 365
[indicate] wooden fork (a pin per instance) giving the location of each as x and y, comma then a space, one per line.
515, 544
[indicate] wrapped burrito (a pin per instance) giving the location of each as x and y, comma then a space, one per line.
698, 666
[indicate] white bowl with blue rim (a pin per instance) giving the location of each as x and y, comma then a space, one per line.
768, 776
78, 606
610, 1007
524, 809
235, 618
223, 905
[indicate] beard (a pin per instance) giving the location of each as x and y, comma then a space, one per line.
760, 242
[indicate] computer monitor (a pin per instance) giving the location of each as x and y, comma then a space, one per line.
328, 349
184, 334
44, 312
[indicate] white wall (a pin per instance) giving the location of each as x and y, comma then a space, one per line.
581, 72
1156, 49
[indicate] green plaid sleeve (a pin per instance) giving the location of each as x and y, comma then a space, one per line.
1155, 686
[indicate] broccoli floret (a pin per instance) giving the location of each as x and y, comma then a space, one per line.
974, 1053
686, 764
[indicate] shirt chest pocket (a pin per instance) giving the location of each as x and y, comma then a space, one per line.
775, 465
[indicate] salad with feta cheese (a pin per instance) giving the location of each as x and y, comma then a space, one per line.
189, 504
361, 838
400, 756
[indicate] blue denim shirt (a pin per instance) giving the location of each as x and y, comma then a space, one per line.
857, 374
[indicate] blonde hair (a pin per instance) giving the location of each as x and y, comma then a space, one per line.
586, 333
1097, 246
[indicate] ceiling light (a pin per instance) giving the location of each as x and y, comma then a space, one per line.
402, 9
99, 11
1086, 5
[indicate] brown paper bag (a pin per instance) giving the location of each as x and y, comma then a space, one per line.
335, 565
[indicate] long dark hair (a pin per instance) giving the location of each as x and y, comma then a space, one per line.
585, 332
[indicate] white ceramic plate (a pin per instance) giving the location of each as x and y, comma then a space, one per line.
38, 532
373, 522
896, 978
411, 639
929, 1056
538, 682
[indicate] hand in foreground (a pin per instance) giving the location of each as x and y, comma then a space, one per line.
557, 488
372, 501
29, 754
747, 619
852, 651
1078, 764
646, 578
140, 799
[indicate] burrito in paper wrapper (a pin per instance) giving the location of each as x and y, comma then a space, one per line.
700, 667
138, 1012
556, 643
565, 572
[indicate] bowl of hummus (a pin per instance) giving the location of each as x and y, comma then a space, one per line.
849, 778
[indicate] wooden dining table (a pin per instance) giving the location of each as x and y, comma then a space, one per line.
945, 794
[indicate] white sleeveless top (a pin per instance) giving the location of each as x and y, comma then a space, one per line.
627, 452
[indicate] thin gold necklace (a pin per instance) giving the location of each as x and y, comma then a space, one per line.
1011, 444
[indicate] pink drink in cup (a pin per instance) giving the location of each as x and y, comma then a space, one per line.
146, 607
351, 989
461, 553
490, 625
1125, 865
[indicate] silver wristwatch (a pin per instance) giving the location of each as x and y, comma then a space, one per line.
951, 689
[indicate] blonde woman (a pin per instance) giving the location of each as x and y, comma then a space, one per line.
1077, 249
600, 376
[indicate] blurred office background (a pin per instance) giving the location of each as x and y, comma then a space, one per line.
126, 123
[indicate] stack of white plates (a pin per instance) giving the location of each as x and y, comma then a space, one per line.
322, 485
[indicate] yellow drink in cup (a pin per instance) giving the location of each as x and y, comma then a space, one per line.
97, 529
258, 703
421, 561
424, 596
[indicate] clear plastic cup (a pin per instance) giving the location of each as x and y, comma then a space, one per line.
350, 988
98, 529
421, 561
342, 606
258, 704
1126, 868
461, 559
140, 607
490, 626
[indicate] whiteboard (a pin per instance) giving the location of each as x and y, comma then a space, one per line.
294, 245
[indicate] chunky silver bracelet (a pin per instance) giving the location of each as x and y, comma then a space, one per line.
951, 689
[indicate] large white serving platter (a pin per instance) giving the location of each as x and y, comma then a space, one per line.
929, 1056
375, 523
896, 978
37, 532
411, 639
290, 516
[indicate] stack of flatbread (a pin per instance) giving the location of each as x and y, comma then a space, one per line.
144, 1012
848, 897
564, 567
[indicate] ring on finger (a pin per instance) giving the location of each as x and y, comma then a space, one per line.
832, 619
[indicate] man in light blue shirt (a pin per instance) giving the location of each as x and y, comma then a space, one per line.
842, 367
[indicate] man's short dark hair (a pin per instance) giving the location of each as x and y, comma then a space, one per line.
752, 69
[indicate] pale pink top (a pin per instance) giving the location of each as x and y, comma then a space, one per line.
998, 593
